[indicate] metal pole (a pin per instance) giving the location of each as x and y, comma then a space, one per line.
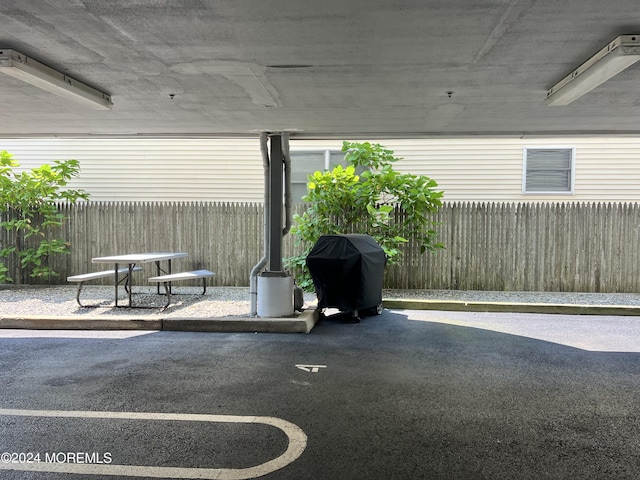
275, 205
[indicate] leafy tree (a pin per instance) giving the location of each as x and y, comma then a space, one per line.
341, 201
29, 213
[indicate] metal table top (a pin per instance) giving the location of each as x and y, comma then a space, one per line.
139, 257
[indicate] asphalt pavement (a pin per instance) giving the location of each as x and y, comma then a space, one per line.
404, 395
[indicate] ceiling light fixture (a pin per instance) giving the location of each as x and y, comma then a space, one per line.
621, 53
40, 75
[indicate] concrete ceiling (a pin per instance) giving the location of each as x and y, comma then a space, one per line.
319, 67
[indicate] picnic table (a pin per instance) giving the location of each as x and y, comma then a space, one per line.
121, 274
133, 259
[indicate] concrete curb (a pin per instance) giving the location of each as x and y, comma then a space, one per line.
43, 322
511, 307
301, 323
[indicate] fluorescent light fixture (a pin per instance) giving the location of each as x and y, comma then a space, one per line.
621, 53
35, 73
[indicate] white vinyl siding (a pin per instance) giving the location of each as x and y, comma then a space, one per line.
607, 169
548, 170
227, 170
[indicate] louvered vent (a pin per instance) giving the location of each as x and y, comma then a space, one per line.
549, 170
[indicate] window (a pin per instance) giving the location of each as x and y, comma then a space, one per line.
304, 163
548, 170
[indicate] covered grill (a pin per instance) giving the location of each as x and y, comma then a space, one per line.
348, 272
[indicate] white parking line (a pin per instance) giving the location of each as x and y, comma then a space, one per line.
297, 445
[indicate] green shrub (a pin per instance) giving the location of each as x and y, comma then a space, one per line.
341, 201
29, 214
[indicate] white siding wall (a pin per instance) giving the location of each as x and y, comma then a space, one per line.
477, 169
491, 169
606, 169
154, 169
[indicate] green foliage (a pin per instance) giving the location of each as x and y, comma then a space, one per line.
343, 202
29, 214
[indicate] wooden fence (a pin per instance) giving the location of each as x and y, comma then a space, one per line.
529, 247
489, 246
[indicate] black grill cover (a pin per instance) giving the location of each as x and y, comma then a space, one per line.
347, 271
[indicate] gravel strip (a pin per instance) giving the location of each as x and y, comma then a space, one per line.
187, 302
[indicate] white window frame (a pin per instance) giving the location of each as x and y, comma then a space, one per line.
572, 173
326, 152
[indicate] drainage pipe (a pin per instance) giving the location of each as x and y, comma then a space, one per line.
253, 278
288, 201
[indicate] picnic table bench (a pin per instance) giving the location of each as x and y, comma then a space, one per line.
85, 277
174, 277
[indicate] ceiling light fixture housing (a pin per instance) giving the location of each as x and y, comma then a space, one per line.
40, 75
618, 55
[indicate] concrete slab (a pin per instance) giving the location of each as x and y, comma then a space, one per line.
172, 320
512, 307
44, 322
301, 323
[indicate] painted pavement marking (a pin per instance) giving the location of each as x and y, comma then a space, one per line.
297, 445
310, 368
